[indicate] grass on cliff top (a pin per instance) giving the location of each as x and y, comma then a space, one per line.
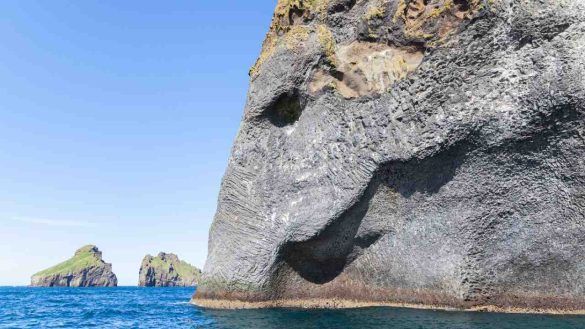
83, 258
184, 269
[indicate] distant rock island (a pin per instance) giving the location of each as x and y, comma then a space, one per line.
85, 269
167, 270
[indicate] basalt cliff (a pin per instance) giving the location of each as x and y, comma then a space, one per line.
167, 270
408, 152
85, 269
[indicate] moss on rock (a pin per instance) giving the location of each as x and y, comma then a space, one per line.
167, 270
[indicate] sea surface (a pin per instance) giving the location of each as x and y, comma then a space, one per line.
132, 307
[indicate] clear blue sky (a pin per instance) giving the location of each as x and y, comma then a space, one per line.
116, 122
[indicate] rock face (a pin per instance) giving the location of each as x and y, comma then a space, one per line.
408, 151
85, 269
167, 270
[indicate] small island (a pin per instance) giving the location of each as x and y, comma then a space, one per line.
167, 270
85, 269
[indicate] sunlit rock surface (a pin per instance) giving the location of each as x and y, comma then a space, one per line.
408, 151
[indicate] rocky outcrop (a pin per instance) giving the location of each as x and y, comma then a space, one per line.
85, 269
410, 152
167, 270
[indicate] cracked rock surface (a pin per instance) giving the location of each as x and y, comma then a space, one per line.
408, 151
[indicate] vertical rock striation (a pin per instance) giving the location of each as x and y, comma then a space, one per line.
408, 151
85, 269
167, 270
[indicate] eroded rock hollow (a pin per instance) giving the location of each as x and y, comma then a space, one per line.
408, 151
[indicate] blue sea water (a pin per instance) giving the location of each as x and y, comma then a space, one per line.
132, 307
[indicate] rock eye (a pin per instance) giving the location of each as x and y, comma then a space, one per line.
462, 5
285, 111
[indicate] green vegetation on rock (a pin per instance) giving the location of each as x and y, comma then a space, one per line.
84, 257
85, 269
185, 270
167, 270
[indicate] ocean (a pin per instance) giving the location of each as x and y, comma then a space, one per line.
133, 307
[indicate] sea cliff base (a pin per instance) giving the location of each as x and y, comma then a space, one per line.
344, 304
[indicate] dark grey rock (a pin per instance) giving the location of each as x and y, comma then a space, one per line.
425, 152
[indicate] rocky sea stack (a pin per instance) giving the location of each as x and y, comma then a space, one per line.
408, 152
85, 269
167, 270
